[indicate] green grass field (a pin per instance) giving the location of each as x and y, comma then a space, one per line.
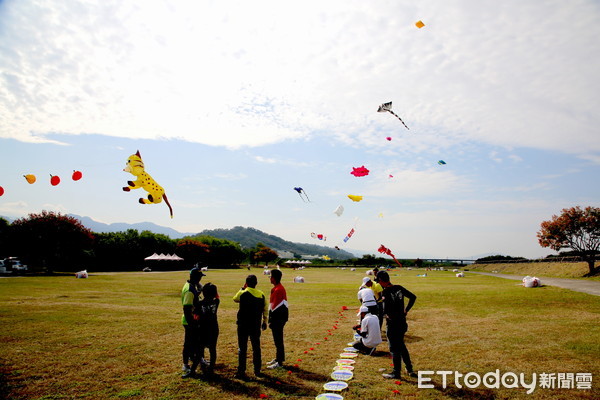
116, 336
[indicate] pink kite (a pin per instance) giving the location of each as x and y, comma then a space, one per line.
384, 250
360, 171
389, 138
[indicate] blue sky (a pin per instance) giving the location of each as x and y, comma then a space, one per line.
233, 104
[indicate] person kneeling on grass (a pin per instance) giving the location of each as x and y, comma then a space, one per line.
369, 330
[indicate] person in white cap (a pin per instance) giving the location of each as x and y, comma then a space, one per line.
365, 294
369, 330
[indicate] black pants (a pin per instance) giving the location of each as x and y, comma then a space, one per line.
245, 333
190, 344
360, 346
277, 330
395, 336
380, 314
208, 340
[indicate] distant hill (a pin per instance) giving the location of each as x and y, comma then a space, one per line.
249, 237
100, 227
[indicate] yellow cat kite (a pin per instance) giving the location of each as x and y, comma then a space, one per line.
156, 193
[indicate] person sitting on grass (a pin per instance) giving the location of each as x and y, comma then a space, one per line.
369, 330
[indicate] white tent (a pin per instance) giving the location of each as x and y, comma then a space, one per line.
152, 257
163, 257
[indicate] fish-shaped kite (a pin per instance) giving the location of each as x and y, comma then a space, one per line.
442, 162
388, 107
360, 171
300, 192
355, 198
156, 193
384, 250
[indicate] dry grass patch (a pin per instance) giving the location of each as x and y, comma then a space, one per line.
540, 269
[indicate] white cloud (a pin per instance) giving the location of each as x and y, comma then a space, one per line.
247, 74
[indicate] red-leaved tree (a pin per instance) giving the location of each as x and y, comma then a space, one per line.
192, 251
52, 241
577, 229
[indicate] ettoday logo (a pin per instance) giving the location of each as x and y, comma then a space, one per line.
508, 380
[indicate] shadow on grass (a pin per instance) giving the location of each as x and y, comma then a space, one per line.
412, 339
464, 393
224, 379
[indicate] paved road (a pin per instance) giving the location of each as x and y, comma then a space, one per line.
578, 285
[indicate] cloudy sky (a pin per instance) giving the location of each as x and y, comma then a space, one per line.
232, 104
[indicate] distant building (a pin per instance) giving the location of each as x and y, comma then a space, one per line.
309, 257
284, 254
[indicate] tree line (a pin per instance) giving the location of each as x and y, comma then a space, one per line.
50, 241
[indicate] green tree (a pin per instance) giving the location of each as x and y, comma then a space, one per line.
50, 240
4, 238
577, 229
126, 250
222, 252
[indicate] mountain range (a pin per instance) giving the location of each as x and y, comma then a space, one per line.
247, 237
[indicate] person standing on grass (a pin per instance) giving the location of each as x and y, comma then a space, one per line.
189, 298
377, 290
209, 326
395, 315
368, 330
253, 309
278, 316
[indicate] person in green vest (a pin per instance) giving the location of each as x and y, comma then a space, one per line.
189, 298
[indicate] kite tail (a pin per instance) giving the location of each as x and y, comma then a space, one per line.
167, 201
307, 197
400, 265
394, 114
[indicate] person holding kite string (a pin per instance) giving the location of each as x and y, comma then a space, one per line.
278, 316
369, 330
189, 298
253, 309
395, 315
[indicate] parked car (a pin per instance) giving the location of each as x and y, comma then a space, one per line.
3, 268
18, 267
14, 264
